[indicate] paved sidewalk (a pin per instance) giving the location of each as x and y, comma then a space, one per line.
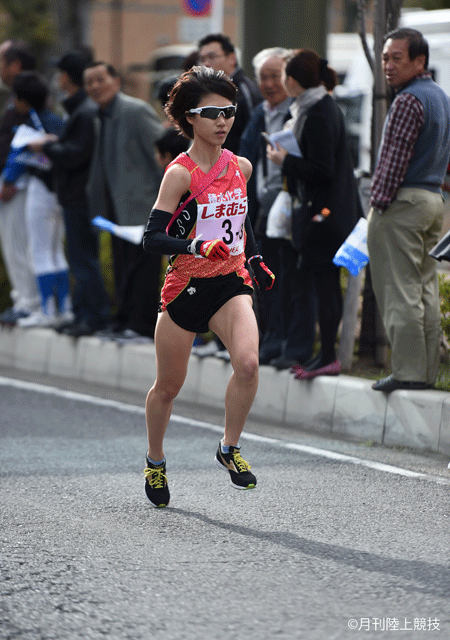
342, 405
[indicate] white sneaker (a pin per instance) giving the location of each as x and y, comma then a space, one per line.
128, 336
37, 319
67, 317
223, 355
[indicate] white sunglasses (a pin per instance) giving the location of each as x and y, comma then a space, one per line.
212, 113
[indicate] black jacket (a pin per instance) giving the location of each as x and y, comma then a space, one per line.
72, 153
248, 96
326, 179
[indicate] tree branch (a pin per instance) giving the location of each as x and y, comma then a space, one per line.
361, 4
393, 14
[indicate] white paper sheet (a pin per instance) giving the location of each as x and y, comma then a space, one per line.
24, 135
287, 140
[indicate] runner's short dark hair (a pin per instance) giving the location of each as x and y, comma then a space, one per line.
190, 88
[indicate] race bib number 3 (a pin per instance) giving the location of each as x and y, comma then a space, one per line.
223, 220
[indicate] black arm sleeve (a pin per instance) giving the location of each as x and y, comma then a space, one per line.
251, 248
156, 240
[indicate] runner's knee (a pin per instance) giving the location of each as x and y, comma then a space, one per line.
166, 392
246, 368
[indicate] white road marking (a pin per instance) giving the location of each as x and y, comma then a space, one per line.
123, 406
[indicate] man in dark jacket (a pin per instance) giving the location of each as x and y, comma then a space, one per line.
71, 155
218, 52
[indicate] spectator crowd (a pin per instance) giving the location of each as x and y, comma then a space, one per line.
106, 156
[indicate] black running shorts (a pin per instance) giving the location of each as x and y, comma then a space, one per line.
192, 304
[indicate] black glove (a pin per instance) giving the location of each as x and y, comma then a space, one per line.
263, 276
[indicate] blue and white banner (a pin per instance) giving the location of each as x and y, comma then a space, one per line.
131, 234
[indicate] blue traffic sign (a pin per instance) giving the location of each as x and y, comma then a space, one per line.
198, 7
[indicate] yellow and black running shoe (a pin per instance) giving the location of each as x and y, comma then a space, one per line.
156, 487
239, 469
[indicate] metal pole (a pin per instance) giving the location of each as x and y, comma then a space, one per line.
288, 23
116, 33
216, 16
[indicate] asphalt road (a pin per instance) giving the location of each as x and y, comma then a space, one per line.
336, 542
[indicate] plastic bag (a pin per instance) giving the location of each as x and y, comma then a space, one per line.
442, 250
353, 253
279, 220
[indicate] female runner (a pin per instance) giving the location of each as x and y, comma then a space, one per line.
207, 285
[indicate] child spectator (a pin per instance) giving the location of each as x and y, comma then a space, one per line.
169, 146
71, 155
44, 223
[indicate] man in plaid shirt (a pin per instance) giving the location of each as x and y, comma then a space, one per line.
405, 219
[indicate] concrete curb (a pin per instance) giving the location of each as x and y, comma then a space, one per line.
342, 405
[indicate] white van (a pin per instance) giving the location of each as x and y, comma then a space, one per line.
345, 54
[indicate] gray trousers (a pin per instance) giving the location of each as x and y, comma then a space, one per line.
404, 279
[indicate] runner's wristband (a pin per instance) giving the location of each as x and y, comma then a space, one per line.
195, 245
262, 275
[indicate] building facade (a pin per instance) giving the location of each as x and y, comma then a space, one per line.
125, 32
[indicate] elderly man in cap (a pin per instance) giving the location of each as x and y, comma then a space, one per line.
71, 154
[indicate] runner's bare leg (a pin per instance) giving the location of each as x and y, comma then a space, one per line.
235, 324
173, 347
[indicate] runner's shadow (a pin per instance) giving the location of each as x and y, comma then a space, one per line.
417, 575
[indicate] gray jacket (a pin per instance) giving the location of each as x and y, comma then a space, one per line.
133, 176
